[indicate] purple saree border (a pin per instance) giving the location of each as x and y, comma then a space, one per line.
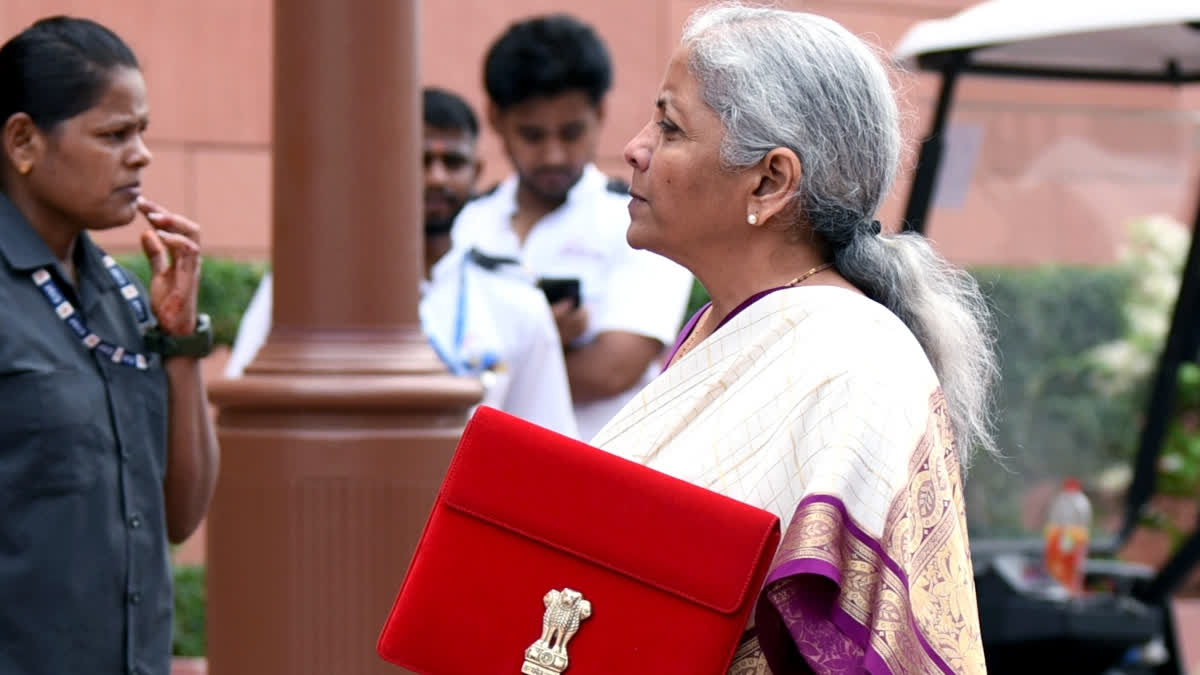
691, 323
683, 335
844, 622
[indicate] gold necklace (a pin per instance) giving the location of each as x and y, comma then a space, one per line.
691, 338
801, 279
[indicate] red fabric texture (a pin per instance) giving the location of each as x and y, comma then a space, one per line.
671, 570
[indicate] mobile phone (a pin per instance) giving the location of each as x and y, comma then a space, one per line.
560, 289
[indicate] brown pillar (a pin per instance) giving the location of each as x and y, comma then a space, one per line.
336, 439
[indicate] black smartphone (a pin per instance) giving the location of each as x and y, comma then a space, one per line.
560, 289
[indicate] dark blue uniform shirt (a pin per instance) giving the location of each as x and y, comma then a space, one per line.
85, 584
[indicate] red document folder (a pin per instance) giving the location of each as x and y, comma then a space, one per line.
543, 552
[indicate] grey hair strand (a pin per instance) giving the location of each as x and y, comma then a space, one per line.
793, 80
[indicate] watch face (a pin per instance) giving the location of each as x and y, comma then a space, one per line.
201, 342
198, 344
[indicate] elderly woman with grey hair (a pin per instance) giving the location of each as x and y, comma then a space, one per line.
841, 375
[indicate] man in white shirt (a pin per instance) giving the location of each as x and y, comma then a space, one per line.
563, 219
484, 317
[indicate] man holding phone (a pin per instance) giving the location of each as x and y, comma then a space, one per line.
483, 315
565, 221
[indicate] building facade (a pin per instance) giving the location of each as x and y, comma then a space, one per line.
1036, 172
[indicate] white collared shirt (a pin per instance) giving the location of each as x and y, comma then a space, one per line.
518, 360
625, 290
495, 324
252, 329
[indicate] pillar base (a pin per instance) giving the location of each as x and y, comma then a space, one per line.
358, 353
326, 482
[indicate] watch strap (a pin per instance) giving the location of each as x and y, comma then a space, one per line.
197, 345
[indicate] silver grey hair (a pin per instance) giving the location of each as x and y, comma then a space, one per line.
781, 79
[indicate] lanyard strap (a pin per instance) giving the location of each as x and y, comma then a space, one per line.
66, 311
455, 360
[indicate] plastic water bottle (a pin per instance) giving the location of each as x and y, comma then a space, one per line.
1066, 536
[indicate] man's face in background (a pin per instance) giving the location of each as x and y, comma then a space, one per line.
550, 140
451, 169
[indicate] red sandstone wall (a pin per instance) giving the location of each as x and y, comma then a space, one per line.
1061, 168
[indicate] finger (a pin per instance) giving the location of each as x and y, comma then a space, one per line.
163, 219
172, 222
146, 206
185, 254
150, 209
184, 272
179, 245
563, 307
156, 252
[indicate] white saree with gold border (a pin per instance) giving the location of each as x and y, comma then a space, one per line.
819, 405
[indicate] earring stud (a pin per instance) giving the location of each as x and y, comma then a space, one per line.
24, 169
752, 219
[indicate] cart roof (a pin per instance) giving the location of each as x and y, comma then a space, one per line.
1151, 40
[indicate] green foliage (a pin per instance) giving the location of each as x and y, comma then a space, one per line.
1154, 259
189, 636
1179, 469
226, 287
1052, 420
697, 299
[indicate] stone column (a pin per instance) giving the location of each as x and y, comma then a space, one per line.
336, 439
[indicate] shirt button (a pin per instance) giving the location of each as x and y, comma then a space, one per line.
135, 598
135, 521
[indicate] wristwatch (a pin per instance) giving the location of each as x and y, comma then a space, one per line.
197, 345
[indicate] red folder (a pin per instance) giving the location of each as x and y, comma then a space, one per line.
531, 530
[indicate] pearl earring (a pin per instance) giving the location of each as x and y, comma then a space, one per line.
752, 219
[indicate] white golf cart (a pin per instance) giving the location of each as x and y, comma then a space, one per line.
1154, 42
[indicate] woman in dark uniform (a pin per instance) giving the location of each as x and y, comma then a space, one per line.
107, 451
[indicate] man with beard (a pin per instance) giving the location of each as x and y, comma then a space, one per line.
558, 215
451, 166
483, 315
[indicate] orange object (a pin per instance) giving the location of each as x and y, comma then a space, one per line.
1066, 536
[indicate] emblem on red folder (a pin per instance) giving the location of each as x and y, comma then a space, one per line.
565, 610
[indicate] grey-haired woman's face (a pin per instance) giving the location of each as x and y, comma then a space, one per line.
684, 204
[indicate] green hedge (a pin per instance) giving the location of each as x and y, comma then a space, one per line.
1051, 420
226, 287
189, 635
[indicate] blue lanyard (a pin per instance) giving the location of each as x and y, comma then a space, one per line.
92, 342
453, 358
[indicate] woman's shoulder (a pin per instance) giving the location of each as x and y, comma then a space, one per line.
853, 333
841, 312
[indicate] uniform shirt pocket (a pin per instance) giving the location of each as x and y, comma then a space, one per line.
50, 433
